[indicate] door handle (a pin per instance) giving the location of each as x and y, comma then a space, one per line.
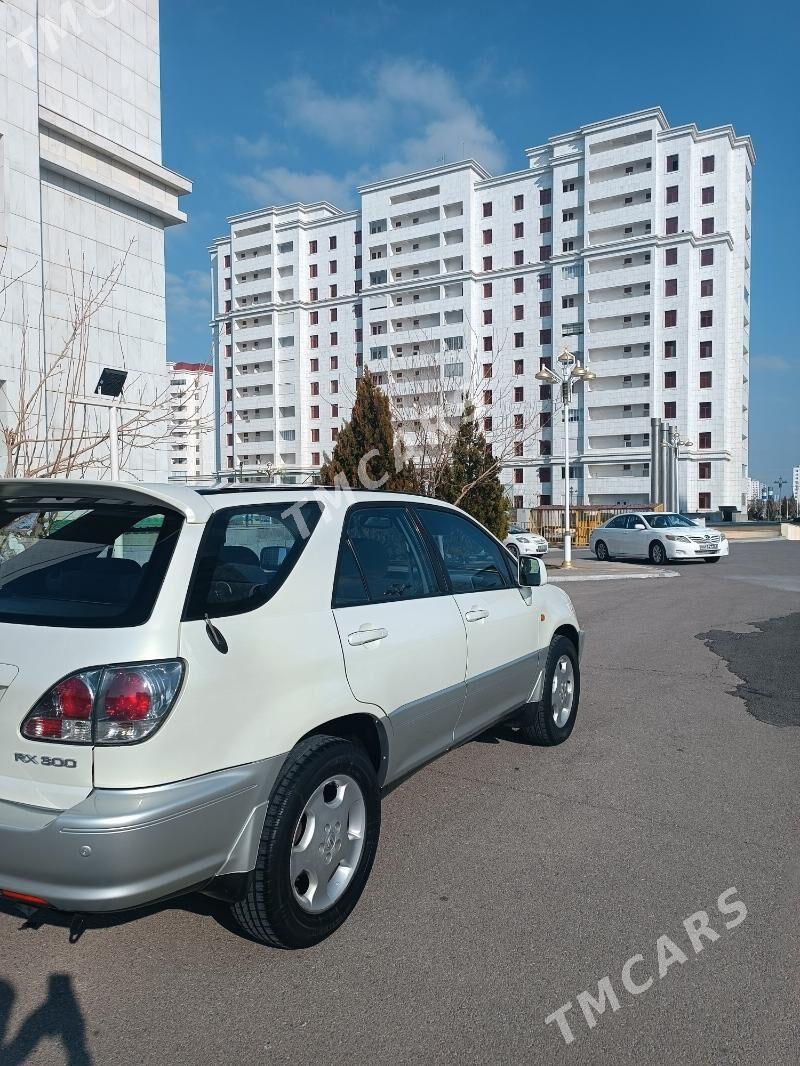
476, 614
366, 635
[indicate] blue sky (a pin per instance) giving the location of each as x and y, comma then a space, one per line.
266, 103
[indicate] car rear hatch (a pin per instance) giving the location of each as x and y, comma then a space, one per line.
82, 567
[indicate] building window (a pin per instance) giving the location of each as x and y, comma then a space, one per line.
519, 312
519, 394
545, 336
670, 379
487, 397
519, 285
487, 424
487, 316
704, 501
487, 262
707, 225
334, 410
670, 349
487, 344
334, 292
313, 340
707, 195
670, 318
705, 379
313, 295
706, 319
334, 385
705, 409
315, 459
315, 388
704, 440
487, 236
670, 286
487, 210
519, 203
567, 246
519, 257
227, 260
312, 247
315, 436
334, 339
545, 225
545, 447
706, 349
519, 340
671, 224
545, 392
706, 286
313, 318
518, 422
519, 366
545, 196
672, 194
670, 409
519, 230
332, 243
670, 256
545, 308
545, 474
334, 314
315, 411
672, 164
704, 471
518, 475
708, 164
706, 257
487, 370
568, 186
334, 362
358, 236
545, 252
335, 433
357, 262
545, 281
487, 289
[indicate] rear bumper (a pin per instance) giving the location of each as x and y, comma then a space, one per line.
124, 848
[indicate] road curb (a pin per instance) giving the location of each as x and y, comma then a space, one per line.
558, 579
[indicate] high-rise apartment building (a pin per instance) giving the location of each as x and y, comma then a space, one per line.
796, 483
626, 240
83, 197
192, 444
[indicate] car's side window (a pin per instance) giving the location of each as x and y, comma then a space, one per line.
473, 561
382, 559
246, 555
617, 523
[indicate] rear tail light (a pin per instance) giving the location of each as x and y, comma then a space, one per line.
106, 705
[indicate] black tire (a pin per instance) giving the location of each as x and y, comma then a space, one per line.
657, 553
537, 724
716, 559
601, 551
270, 913
514, 551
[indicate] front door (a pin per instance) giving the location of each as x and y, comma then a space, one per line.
502, 628
402, 635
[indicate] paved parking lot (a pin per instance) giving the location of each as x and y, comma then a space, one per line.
510, 880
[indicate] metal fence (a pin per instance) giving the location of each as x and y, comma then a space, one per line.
549, 521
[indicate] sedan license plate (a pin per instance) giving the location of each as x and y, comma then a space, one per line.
707, 547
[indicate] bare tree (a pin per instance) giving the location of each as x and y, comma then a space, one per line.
45, 432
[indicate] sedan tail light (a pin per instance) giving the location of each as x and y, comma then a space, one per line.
107, 704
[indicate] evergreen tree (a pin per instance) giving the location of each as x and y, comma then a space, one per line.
472, 481
369, 433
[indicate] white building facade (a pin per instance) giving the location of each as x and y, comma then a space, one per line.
83, 195
192, 443
626, 240
796, 483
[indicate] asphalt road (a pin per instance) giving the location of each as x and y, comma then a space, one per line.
510, 880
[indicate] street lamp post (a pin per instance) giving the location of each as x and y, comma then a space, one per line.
780, 482
674, 442
569, 371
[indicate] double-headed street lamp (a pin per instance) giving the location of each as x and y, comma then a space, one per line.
569, 371
673, 442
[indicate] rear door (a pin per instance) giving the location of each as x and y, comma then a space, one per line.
502, 628
613, 535
402, 635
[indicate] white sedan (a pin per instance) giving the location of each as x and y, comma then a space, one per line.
658, 537
521, 541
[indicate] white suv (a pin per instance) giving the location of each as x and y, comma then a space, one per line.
209, 689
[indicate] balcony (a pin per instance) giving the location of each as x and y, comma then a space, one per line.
611, 296
617, 202
614, 176
261, 242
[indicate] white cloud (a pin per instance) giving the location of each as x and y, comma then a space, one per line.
189, 295
256, 149
411, 116
776, 363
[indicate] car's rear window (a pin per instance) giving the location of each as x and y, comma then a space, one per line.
246, 554
88, 563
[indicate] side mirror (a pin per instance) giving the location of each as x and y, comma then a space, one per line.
532, 572
639, 525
